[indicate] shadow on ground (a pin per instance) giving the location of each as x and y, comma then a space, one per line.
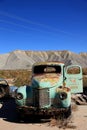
8, 113
8, 110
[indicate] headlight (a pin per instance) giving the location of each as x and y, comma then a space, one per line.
62, 95
19, 96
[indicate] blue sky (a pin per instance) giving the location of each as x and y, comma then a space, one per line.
43, 25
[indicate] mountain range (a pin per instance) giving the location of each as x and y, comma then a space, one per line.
20, 59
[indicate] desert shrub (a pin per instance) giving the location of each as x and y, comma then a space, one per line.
21, 77
62, 123
84, 71
84, 81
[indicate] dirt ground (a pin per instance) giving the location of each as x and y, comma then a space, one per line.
77, 121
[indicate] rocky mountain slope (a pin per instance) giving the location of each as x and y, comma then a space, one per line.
24, 59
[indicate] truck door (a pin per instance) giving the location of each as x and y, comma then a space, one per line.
74, 78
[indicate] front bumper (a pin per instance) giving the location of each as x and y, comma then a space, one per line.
45, 112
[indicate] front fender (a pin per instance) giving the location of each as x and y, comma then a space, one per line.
26, 92
62, 97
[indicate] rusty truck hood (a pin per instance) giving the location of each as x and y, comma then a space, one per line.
46, 80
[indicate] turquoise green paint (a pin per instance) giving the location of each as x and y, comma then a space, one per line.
66, 102
27, 94
22, 90
62, 103
74, 81
47, 84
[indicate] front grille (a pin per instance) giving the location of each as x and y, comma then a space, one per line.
41, 97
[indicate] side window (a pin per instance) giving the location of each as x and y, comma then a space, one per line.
73, 70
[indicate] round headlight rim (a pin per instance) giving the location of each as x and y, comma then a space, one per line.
19, 96
62, 95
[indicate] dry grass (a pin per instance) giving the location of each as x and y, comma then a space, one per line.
84, 70
20, 77
62, 123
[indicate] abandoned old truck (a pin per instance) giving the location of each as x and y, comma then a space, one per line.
50, 91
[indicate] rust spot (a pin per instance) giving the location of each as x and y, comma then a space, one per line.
61, 89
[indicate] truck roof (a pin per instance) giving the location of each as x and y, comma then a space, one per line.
49, 63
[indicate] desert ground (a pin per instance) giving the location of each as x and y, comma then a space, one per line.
77, 121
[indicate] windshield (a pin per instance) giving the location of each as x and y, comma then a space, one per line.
46, 69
